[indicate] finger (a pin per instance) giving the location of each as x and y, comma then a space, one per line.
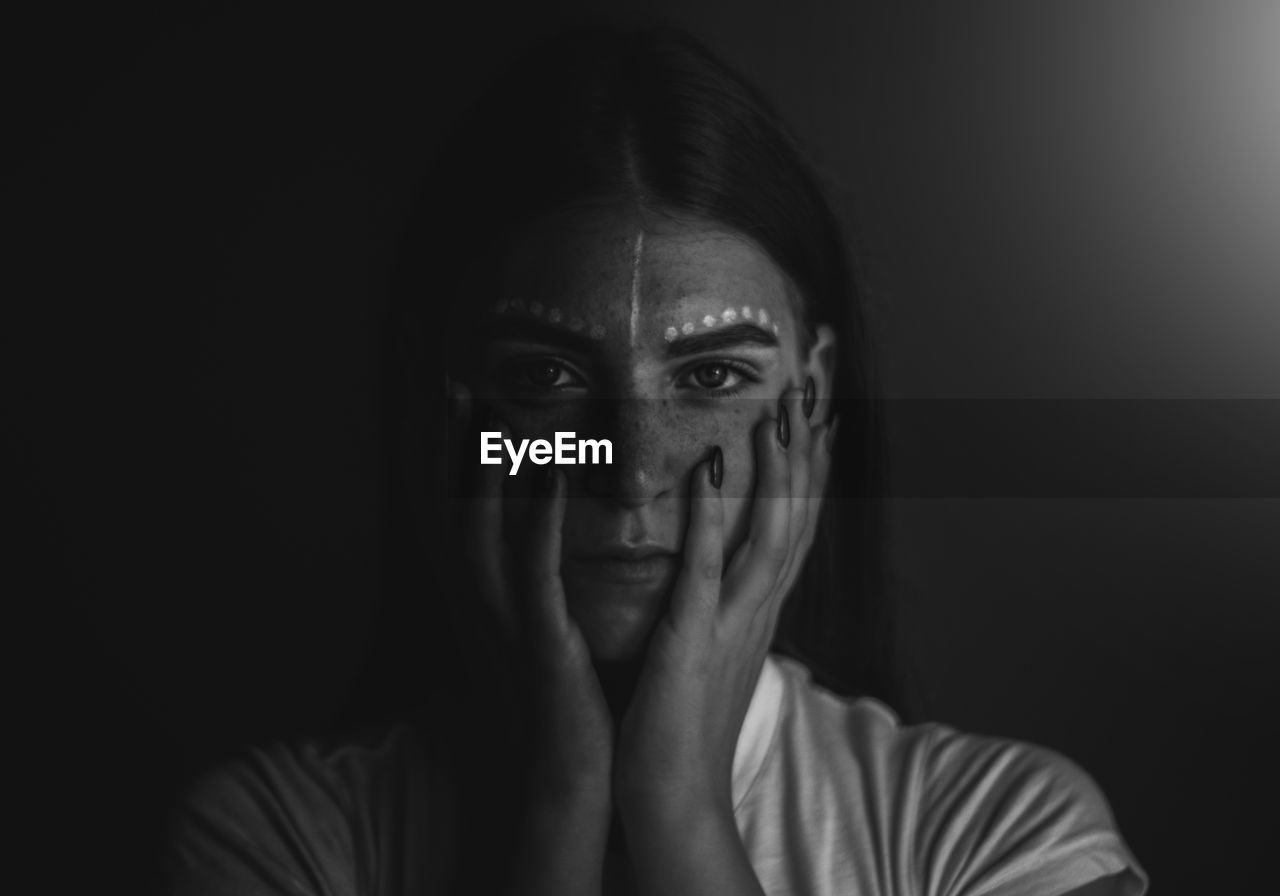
485, 546
798, 456
819, 470
799, 459
696, 595
758, 562
548, 616
821, 460
819, 475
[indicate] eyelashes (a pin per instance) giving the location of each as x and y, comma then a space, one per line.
547, 376
718, 377
541, 375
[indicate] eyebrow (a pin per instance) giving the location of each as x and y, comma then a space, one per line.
540, 331
720, 339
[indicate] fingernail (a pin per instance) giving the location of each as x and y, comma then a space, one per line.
810, 398
784, 426
831, 432
717, 466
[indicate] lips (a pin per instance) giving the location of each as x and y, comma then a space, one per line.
624, 564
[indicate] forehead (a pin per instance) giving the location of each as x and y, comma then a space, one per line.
624, 278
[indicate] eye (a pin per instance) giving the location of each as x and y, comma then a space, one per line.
540, 375
719, 377
711, 376
543, 374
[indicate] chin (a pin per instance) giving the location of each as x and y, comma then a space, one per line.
615, 620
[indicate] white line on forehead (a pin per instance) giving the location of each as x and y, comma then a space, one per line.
634, 330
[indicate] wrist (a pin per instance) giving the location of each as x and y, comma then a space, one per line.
688, 847
557, 788
672, 791
652, 810
561, 850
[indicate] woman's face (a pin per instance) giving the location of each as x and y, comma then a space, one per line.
666, 337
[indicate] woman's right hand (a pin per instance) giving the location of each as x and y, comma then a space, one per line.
573, 736
570, 748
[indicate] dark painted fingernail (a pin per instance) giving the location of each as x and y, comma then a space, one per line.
810, 398
784, 426
831, 432
716, 473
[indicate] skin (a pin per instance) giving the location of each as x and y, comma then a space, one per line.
660, 422
699, 620
695, 618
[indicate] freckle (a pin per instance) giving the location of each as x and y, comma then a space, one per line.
576, 324
729, 315
554, 315
671, 334
708, 321
597, 331
535, 308
687, 329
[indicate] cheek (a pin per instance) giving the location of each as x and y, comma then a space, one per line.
668, 441
533, 422
738, 487
728, 426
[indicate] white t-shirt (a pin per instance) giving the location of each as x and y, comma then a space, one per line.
831, 795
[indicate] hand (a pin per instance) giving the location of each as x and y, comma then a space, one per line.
674, 759
568, 802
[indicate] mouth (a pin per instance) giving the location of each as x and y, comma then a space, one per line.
624, 564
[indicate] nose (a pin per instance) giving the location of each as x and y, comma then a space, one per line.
645, 452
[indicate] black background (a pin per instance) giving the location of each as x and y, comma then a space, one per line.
1048, 201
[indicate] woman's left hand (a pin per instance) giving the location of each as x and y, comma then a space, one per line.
674, 759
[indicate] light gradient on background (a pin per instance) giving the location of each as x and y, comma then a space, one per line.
1069, 200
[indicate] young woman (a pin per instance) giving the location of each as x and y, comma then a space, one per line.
662, 674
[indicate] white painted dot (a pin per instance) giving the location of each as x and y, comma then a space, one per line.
597, 331
775, 329
708, 321
671, 334
763, 316
746, 312
517, 304
535, 308
729, 315
687, 329
576, 324
554, 315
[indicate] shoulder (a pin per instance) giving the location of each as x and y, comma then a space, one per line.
837, 730
293, 818
1003, 817
969, 814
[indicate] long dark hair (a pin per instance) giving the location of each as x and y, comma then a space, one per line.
645, 115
